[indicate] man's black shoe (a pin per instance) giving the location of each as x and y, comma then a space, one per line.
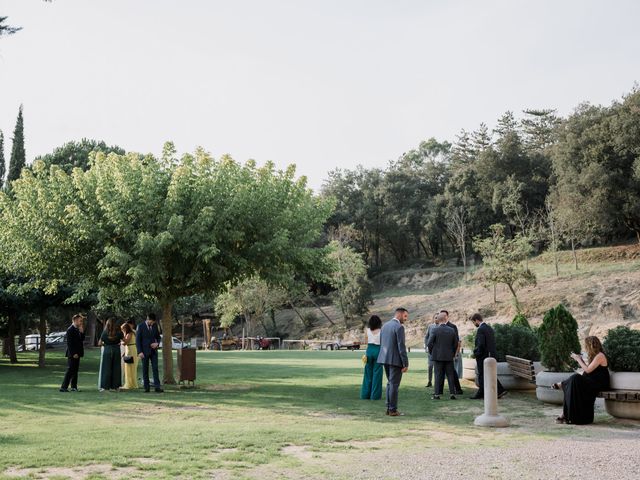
435, 397
476, 397
452, 397
75, 390
459, 392
159, 390
429, 385
147, 390
64, 390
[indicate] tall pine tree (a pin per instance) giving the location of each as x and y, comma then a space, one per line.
2, 165
18, 155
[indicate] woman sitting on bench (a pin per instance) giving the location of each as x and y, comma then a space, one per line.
580, 391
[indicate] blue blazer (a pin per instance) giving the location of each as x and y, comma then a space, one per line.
392, 348
145, 336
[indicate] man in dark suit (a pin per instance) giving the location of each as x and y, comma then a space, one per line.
457, 359
147, 342
75, 351
442, 347
485, 347
393, 355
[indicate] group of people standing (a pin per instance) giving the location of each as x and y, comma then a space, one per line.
123, 346
386, 351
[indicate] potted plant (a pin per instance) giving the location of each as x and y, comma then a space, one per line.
558, 337
519, 340
622, 347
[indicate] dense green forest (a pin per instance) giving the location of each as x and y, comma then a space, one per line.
561, 182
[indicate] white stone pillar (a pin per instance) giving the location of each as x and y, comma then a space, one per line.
490, 417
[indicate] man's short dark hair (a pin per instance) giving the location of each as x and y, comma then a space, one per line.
476, 317
151, 316
444, 311
401, 310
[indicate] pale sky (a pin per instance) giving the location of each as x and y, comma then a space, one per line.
322, 84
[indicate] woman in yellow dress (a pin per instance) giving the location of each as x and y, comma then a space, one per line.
130, 350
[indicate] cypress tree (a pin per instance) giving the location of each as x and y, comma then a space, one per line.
18, 154
2, 165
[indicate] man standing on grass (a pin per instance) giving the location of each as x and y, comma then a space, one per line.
393, 355
457, 360
485, 348
75, 351
442, 346
147, 342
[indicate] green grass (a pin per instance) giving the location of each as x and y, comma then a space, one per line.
247, 406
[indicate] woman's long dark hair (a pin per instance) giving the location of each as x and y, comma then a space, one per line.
111, 327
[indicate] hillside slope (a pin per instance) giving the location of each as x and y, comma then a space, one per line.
602, 294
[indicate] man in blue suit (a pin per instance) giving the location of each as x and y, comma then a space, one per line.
393, 355
148, 341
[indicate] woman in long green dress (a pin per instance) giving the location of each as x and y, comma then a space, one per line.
110, 371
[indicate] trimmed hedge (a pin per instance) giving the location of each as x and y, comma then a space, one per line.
558, 337
517, 341
521, 320
622, 347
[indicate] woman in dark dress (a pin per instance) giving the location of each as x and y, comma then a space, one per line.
110, 370
580, 390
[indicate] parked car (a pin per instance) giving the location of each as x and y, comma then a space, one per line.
176, 344
56, 339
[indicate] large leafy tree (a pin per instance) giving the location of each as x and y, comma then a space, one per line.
78, 154
135, 227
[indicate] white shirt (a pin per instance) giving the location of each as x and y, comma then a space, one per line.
373, 337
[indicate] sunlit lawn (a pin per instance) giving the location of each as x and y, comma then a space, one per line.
245, 408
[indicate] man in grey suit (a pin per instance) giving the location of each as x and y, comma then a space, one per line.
393, 355
442, 346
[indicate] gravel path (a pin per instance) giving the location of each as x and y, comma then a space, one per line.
556, 459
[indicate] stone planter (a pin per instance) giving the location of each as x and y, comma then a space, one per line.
620, 409
511, 382
469, 368
544, 392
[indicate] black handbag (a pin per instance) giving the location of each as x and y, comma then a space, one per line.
127, 359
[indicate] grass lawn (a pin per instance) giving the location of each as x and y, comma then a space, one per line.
271, 414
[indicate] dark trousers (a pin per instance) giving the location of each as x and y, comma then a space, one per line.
153, 358
429, 369
394, 377
442, 369
71, 375
480, 366
456, 380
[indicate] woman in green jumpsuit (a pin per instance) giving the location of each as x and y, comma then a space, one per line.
110, 370
372, 381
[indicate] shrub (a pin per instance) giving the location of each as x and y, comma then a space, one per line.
622, 347
521, 320
516, 340
558, 336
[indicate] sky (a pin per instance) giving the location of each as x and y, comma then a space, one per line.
322, 84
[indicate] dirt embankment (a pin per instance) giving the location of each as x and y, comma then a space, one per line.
603, 294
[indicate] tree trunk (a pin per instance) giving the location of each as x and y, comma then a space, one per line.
495, 295
555, 262
515, 298
463, 252
321, 310
42, 327
167, 352
298, 313
91, 328
575, 255
12, 318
